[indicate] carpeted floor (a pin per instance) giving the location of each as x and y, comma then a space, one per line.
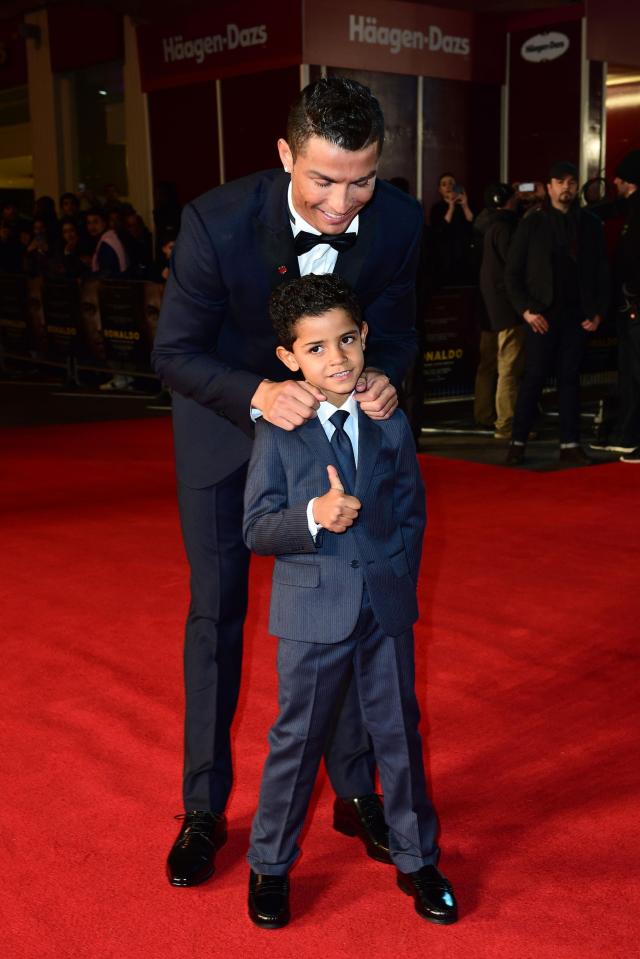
527, 674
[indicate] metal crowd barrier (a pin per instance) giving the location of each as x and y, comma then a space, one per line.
89, 324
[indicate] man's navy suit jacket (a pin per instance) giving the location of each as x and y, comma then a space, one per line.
215, 343
317, 587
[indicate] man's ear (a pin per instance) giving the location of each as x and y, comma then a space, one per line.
286, 156
287, 357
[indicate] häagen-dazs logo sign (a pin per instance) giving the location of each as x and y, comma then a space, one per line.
545, 46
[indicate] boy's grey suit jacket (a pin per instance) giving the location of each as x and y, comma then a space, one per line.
317, 587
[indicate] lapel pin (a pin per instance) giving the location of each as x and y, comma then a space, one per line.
282, 269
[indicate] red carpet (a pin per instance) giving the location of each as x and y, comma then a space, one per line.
527, 674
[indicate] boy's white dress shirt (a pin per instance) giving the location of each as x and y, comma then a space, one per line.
324, 411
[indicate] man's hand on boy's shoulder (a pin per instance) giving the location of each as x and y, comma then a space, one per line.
336, 510
288, 404
376, 395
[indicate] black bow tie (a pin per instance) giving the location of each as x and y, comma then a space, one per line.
304, 242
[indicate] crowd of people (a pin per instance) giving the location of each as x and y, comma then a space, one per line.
519, 348
86, 234
546, 285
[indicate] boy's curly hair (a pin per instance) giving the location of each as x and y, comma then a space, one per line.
310, 295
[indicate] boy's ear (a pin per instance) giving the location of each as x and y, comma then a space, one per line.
364, 329
287, 358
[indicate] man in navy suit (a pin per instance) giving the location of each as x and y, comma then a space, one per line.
343, 597
215, 348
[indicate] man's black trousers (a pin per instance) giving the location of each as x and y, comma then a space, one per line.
559, 351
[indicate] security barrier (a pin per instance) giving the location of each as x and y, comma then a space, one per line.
91, 324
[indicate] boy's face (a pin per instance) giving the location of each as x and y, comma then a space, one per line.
328, 350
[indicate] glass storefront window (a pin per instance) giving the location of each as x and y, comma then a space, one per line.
99, 97
16, 162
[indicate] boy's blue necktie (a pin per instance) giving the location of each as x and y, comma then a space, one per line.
344, 450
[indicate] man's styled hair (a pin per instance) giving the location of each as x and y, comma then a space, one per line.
341, 111
310, 295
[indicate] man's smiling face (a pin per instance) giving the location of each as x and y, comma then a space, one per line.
330, 185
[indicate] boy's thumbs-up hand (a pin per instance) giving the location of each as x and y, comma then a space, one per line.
336, 510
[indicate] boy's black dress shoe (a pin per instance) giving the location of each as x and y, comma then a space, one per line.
433, 894
363, 816
268, 900
192, 857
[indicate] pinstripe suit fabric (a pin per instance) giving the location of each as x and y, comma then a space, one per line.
382, 549
344, 604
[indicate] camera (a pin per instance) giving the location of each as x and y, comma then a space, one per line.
526, 187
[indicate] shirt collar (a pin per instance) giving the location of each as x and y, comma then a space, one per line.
298, 223
326, 409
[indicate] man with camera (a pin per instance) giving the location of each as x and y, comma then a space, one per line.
500, 220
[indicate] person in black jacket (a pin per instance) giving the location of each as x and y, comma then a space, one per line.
557, 279
451, 226
625, 432
501, 220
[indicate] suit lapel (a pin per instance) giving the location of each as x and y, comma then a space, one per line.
369, 439
313, 435
349, 263
275, 237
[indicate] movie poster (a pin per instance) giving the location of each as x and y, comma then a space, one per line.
14, 334
452, 337
61, 300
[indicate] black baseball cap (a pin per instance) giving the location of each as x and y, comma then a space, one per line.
562, 168
629, 168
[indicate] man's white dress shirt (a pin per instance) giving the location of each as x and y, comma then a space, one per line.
322, 258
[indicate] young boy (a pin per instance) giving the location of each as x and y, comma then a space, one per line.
340, 503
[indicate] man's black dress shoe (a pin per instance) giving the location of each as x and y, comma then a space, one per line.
433, 894
268, 900
192, 857
575, 456
363, 816
515, 455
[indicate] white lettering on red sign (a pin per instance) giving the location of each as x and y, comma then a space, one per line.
367, 30
177, 48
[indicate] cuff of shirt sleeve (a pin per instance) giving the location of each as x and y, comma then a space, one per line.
314, 528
